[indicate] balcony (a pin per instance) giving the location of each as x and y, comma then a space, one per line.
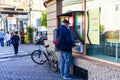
14, 5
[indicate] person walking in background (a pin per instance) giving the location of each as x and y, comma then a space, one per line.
65, 48
15, 41
7, 38
2, 37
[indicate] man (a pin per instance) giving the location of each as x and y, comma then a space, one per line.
2, 37
65, 50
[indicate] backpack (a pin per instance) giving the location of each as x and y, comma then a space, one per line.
57, 37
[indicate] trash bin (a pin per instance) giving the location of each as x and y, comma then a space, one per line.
26, 39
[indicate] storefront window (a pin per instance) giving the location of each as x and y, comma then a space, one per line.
109, 29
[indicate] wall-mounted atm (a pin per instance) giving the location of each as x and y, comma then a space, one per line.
76, 27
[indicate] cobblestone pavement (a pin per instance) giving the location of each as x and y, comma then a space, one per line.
24, 50
29, 48
23, 68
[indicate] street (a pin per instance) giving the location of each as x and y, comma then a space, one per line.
25, 69
7, 53
21, 67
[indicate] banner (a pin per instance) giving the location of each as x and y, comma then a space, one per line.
11, 23
92, 30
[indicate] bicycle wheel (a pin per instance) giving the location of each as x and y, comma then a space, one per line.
38, 57
53, 61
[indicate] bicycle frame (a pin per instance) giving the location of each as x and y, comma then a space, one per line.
43, 50
42, 55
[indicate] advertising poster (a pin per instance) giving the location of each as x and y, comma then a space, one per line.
11, 23
93, 32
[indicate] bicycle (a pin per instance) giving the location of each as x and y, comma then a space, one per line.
44, 55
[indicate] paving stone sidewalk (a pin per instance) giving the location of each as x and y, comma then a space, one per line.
24, 50
29, 48
25, 69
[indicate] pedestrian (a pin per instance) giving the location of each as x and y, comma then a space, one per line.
15, 41
2, 37
65, 49
7, 38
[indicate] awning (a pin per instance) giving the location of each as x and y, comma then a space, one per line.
70, 13
14, 12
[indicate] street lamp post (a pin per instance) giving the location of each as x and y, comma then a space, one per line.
84, 23
30, 9
0, 17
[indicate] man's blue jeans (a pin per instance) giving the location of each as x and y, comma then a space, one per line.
65, 63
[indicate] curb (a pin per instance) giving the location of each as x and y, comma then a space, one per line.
15, 56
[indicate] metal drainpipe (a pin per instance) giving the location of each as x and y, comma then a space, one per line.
84, 23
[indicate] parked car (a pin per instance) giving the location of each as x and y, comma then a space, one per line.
41, 34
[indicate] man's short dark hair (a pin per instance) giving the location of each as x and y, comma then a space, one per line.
65, 21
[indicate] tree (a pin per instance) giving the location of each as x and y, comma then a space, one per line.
44, 19
102, 28
30, 33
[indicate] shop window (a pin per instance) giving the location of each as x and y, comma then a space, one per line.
108, 47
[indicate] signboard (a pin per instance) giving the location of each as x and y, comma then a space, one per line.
11, 23
93, 32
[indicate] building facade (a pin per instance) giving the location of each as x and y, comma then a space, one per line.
13, 14
18, 14
99, 59
37, 8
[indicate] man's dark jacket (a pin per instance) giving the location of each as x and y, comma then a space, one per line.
15, 39
65, 41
